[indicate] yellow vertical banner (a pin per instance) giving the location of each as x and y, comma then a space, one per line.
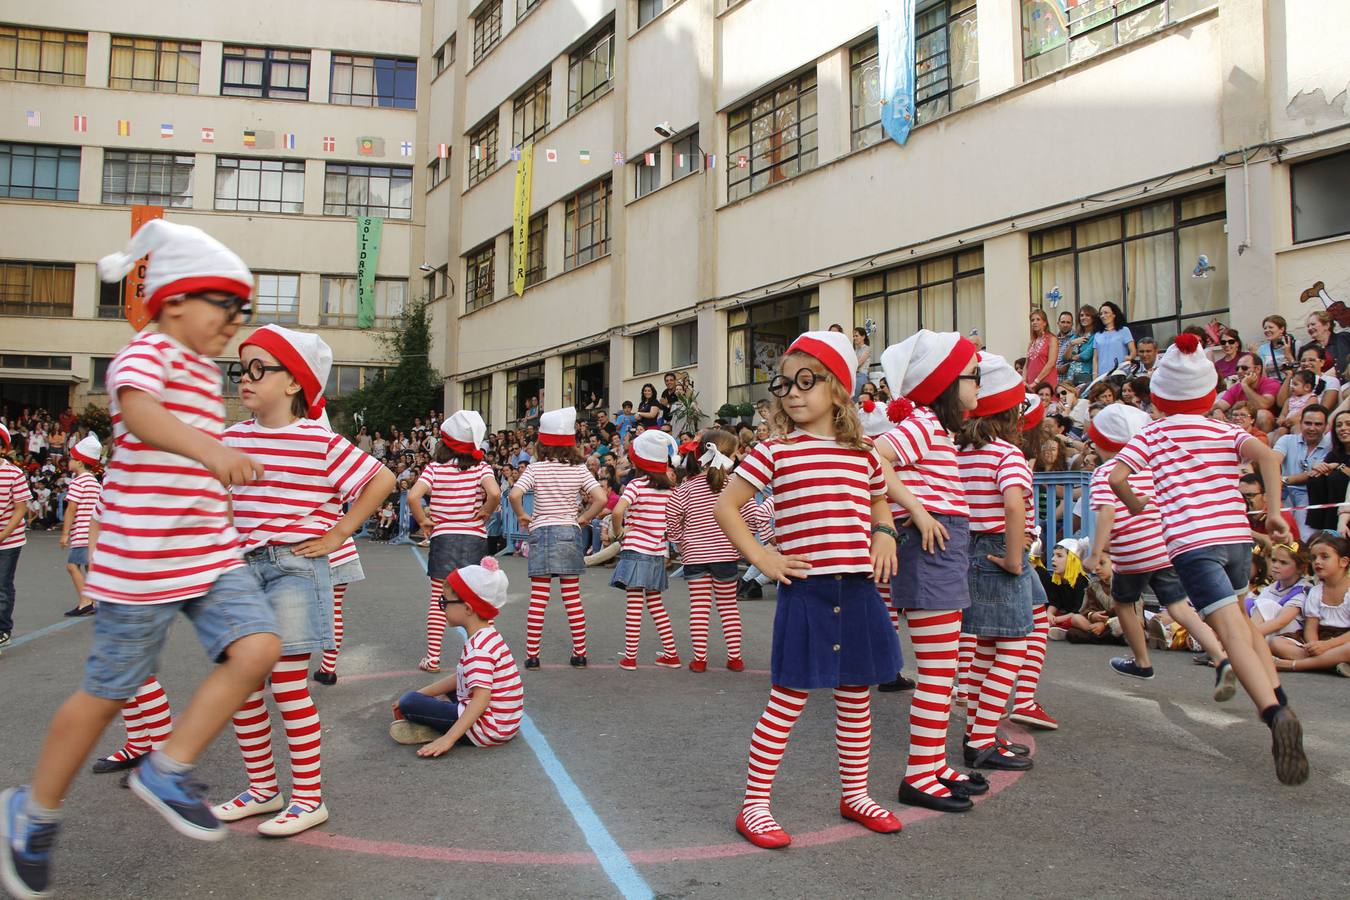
520, 221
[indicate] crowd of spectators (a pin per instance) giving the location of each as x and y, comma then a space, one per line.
40, 445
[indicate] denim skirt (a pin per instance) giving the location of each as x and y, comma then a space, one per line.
556, 550
300, 592
933, 580
640, 570
349, 572
449, 552
1000, 603
832, 630
720, 571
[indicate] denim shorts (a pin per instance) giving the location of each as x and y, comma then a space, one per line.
556, 550
78, 556
1213, 575
349, 572
300, 592
449, 552
640, 571
128, 637
1127, 587
1000, 603
720, 571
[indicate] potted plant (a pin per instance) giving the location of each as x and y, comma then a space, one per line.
727, 411
686, 412
747, 412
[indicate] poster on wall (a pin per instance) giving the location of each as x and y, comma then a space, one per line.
134, 298
369, 231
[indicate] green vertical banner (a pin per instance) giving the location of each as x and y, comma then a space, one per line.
369, 230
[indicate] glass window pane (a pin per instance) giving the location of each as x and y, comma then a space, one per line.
1150, 278
1098, 231
1100, 275
939, 311
1210, 291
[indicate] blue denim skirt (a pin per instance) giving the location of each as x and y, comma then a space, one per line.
933, 580
449, 552
832, 630
640, 570
720, 571
1000, 603
349, 572
556, 550
300, 592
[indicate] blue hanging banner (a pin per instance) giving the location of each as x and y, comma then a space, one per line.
895, 47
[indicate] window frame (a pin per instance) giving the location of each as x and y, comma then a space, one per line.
476, 394
524, 8
1294, 169
67, 159
480, 277
270, 58
267, 306
282, 167
1092, 25
643, 174
162, 164
70, 73
487, 29
388, 309
395, 174
527, 372
159, 49
803, 85
596, 195
486, 136
396, 65
693, 153
527, 106
536, 259
651, 9
366, 376
963, 269
640, 341
17, 293
741, 328
690, 359
578, 98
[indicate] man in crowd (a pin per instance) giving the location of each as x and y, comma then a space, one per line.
1302, 456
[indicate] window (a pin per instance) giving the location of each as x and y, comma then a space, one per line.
347, 379
584, 373
534, 256
524, 384
36, 289
865, 94
438, 283
1320, 194
39, 172
479, 283
276, 298
137, 177
648, 176
149, 64
776, 133
265, 72
1145, 258
47, 57
373, 81
525, 7
98, 383
260, 185
487, 29
444, 58
350, 190
586, 225
945, 293
529, 114
437, 171
684, 344
110, 299
648, 10
646, 352
688, 156
757, 335
483, 151
1059, 33
34, 361
339, 308
478, 396
590, 71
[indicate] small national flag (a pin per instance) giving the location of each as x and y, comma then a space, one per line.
515, 153
370, 146
710, 161
166, 130
618, 159
34, 118
250, 138
742, 161
550, 155
476, 151
649, 159
208, 135
288, 141
585, 157
124, 127
405, 148
329, 144
443, 151
81, 123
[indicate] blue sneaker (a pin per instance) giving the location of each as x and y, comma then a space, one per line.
25, 864
1126, 665
178, 798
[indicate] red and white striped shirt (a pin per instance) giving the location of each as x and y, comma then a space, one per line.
13, 491
486, 662
1195, 462
822, 495
83, 493
1137, 543
165, 533
925, 460
691, 523
343, 554
456, 494
311, 472
985, 474
644, 523
558, 489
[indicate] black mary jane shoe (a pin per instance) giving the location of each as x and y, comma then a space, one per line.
531, 662
974, 786
912, 796
1008, 746
323, 677
901, 683
990, 758
578, 662
104, 766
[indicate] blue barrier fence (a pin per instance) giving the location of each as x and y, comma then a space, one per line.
1062, 506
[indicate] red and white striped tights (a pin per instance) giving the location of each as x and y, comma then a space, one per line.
435, 622
1030, 677
289, 686
965, 656
701, 592
852, 739
540, 587
884, 589
992, 676
148, 721
934, 634
329, 661
632, 622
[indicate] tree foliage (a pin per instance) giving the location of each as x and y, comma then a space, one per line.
408, 390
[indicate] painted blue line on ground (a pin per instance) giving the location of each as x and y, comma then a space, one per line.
43, 632
421, 560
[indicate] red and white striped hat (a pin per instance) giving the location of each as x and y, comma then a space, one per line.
1034, 413
834, 350
1185, 379
89, 450
1113, 426
922, 365
481, 587
463, 432
183, 260
306, 356
652, 450
1001, 388
558, 427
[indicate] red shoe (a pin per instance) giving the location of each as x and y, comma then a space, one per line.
669, 661
1034, 714
772, 839
628, 663
887, 823
698, 665
736, 664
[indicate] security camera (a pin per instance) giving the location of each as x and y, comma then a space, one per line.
427, 267
665, 130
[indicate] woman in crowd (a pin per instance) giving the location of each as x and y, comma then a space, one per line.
1114, 344
1042, 352
1335, 344
1081, 347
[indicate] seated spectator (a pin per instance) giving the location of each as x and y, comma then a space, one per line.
1104, 392
1072, 405
1253, 490
1299, 385
1148, 355
1046, 392
1253, 388
1277, 610
1325, 642
1241, 416
1276, 352
1230, 343
1064, 581
1136, 393
388, 521
1299, 452
1094, 622
650, 412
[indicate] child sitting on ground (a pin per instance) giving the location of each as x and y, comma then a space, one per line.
482, 703
1325, 640
1277, 610
1093, 623
1064, 583
388, 518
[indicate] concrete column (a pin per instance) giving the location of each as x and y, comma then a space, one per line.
1252, 286
311, 299
832, 106
314, 179
91, 175
663, 352
1007, 285
500, 416
501, 267
98, 55
554, 240
211, 64
712, 357
999, 30
204, 181
505, 138
553, 386
616, 369
320, 75
557, 98
86, 291
836, 303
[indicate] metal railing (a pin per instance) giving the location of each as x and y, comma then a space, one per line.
1062, 506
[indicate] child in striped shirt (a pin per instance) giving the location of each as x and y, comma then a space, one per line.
80, 501
481, 705
344, 570
15, 496
639, 518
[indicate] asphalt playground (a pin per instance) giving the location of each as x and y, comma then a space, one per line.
627, 784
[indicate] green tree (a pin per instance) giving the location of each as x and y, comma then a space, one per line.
407, 390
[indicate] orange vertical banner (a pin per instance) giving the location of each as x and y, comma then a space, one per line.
134, 299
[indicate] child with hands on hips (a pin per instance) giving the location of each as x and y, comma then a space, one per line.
81, 498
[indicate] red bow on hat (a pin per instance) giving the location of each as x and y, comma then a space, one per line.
690, 446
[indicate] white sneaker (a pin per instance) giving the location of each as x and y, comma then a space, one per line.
246, 805
1056, 633
405, 732
293, 821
